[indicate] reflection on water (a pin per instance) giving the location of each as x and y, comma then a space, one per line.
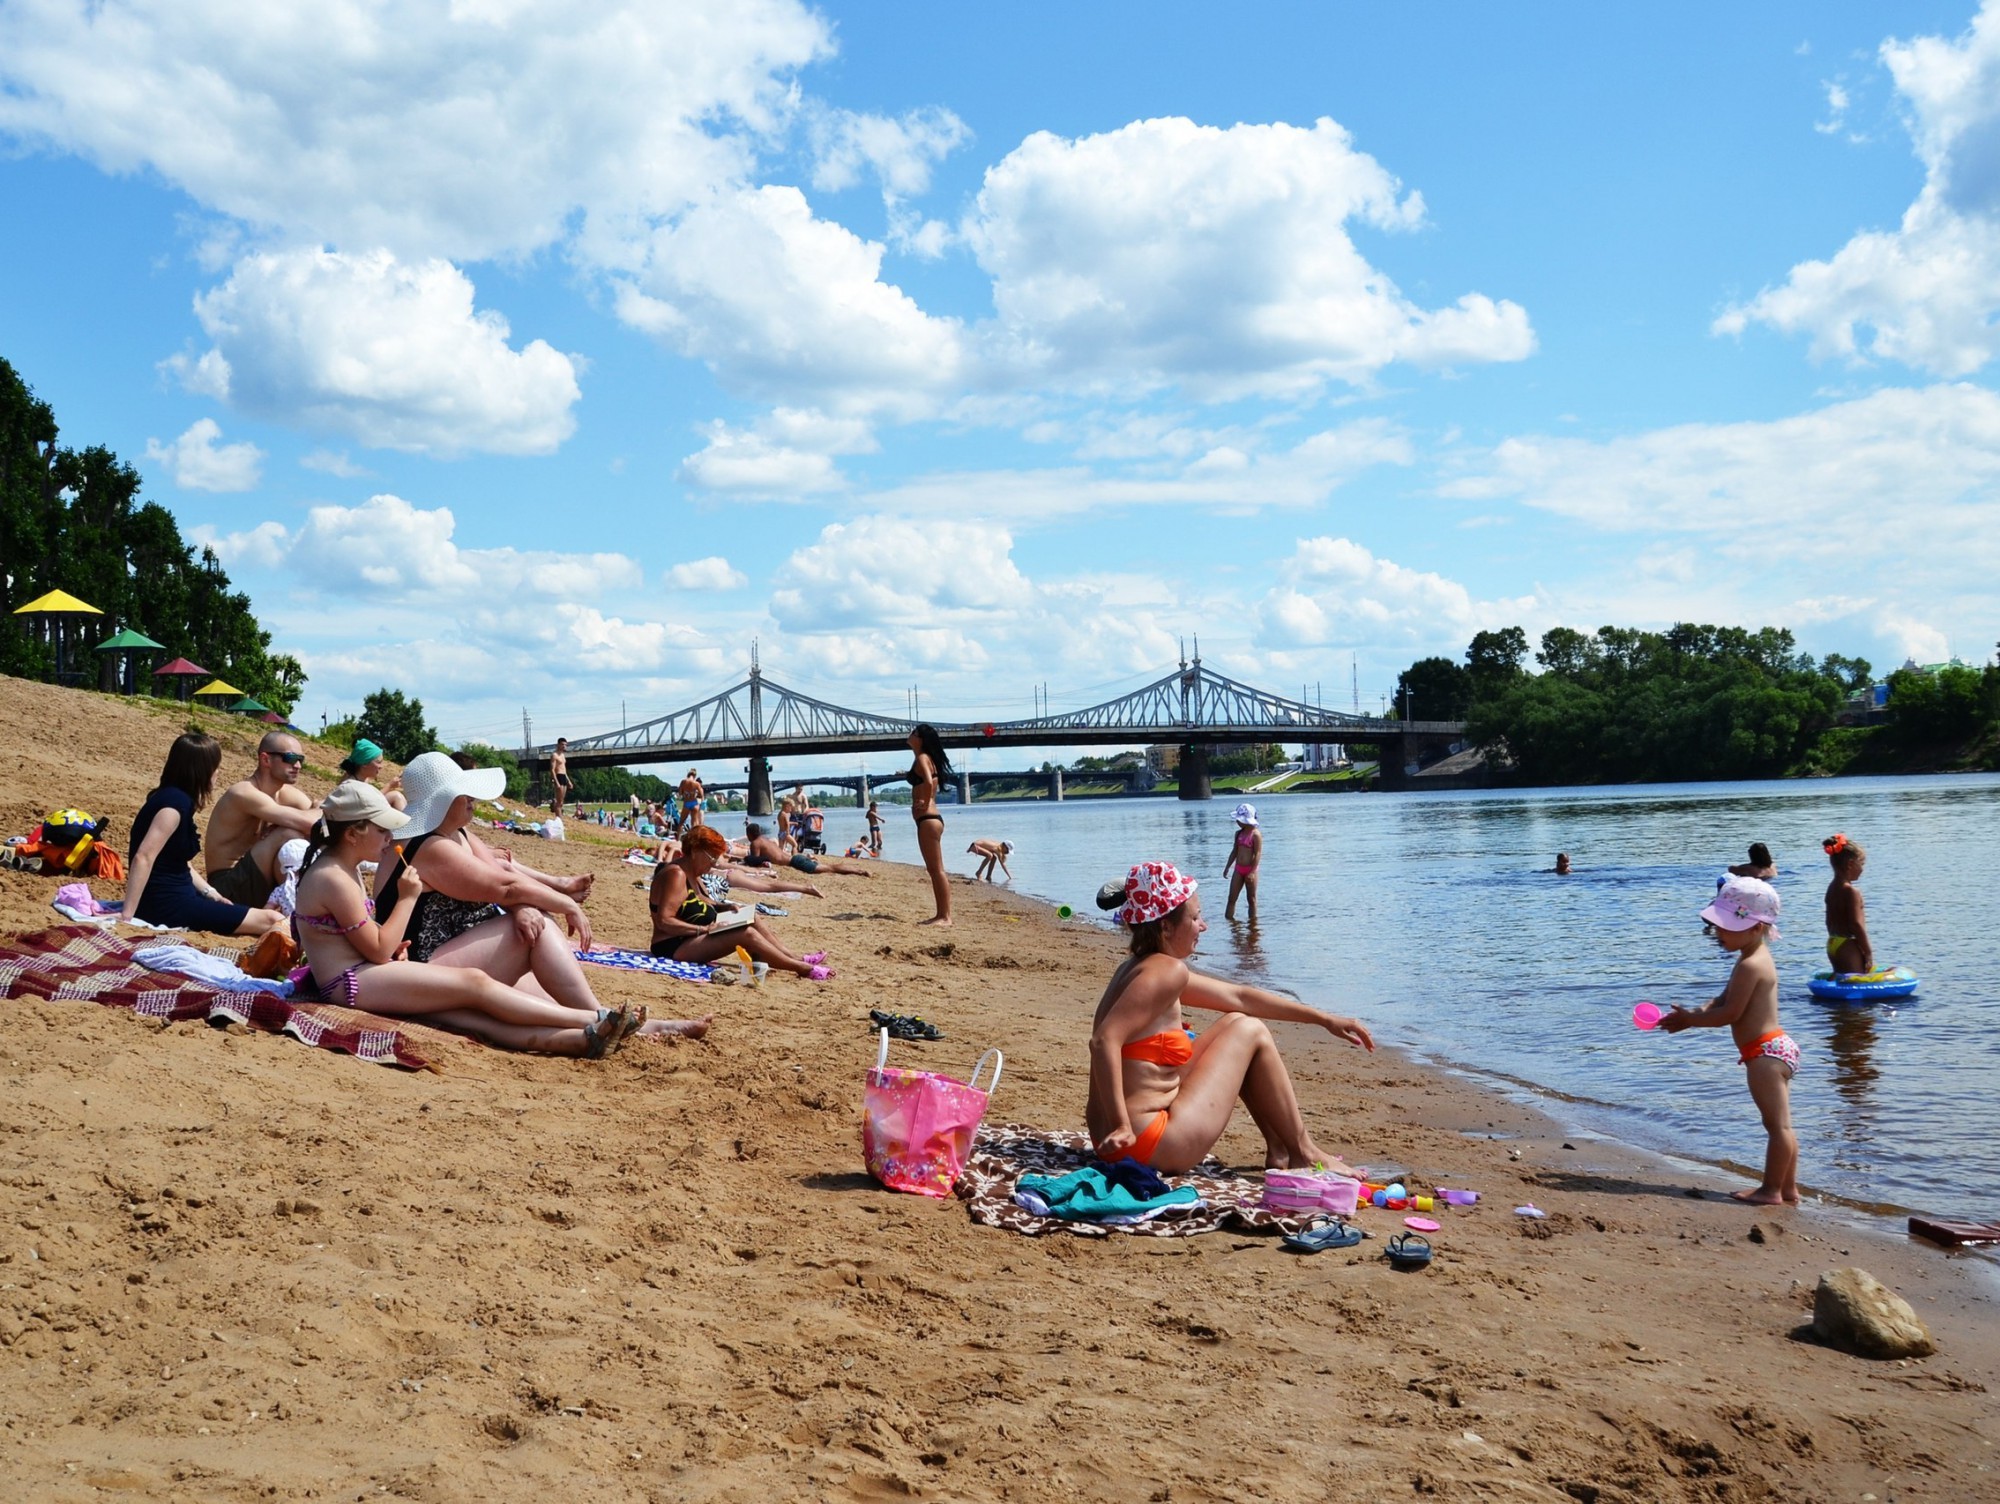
1437, 919
1852, 1042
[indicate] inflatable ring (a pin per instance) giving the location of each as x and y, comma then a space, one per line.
1863, 986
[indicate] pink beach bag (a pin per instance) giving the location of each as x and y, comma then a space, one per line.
917, 1126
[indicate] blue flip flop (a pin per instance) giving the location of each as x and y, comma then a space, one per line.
1408, 1251
1334, 1234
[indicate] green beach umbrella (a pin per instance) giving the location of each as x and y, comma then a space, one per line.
128, 644
249, 706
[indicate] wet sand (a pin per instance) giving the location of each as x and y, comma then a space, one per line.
232, 1267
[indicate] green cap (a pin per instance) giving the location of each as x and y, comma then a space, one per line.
364, 753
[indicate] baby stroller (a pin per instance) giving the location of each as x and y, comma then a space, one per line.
809, 830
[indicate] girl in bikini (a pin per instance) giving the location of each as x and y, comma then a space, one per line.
1246, 851
1162, 1098
353, 956
927, 773
1847, 945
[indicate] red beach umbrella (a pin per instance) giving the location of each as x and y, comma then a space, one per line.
182, 670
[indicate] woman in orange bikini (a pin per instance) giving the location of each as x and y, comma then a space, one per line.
1158, 1096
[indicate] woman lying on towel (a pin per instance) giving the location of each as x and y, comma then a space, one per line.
688, 926
1158, 1095
353, 954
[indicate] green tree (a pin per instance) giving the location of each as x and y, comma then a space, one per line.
1950, 705
396, 725
1494, 658
1433, 689
72, 520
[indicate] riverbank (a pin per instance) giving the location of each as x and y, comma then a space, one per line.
234, 1265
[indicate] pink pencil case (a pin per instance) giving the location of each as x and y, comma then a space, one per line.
1300, 1191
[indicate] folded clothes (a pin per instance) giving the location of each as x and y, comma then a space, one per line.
1094, 1194
218, 972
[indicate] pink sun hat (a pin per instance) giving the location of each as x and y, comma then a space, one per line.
1154, 890
1743, 903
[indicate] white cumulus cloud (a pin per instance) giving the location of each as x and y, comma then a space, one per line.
1336, 593
391, 354
1926, 294
787, 453
783, 304
467, 129
198, 462
714, 573
1168, 252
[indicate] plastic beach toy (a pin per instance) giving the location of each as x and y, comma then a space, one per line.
1457, 1198
1420, 1224
1645, 1015
1064, 911
1863, 986
1530, 1210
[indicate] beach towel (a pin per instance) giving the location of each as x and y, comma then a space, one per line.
77, 963
1111, 1194
639, 960
1003, 1156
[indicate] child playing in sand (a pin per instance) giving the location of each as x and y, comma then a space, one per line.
1847, 945
1744, 916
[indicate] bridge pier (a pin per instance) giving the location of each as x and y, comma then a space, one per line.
1194, 782
965, 789
861, 793
757, 801
1055, 786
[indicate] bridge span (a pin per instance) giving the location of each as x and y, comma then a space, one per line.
1192, 707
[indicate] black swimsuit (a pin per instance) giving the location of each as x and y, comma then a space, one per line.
936, 782
438, 917
694, 909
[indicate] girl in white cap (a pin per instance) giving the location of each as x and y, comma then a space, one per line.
1162, 1097
1246, 851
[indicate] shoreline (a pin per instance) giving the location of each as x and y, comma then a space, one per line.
230, 1264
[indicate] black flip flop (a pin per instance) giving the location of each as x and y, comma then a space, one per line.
1408, 1251
1334, 1234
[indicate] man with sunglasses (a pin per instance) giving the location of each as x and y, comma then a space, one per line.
253, 819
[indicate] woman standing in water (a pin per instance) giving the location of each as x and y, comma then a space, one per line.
927, 775
1246, 851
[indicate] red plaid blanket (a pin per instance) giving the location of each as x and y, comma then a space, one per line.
82, 963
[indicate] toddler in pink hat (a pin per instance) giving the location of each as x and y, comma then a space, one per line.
1744, 916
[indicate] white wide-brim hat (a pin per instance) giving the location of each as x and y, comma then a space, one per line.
1246, 814
430, 783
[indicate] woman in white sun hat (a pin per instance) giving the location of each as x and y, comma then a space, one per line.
352, 952
1246, 853
480, 908
1157, 1094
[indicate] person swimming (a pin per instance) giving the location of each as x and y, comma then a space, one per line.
1760, 865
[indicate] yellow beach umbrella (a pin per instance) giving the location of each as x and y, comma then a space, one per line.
218, 687
57, 603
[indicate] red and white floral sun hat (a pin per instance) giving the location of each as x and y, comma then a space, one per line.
1154, 890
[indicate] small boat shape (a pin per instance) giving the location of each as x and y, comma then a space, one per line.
1863, 986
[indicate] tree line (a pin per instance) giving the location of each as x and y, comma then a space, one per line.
72, 519
1693, 702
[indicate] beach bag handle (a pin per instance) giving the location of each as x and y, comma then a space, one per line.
999, 1060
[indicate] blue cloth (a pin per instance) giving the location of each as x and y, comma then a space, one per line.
1104, 1193
210, 970
638, 960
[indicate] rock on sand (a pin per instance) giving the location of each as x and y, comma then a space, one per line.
1854, 1310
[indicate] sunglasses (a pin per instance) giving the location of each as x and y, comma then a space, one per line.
291, 759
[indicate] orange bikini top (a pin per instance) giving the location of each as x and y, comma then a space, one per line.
1173, 1048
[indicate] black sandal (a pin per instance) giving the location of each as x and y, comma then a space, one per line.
1334, 1234
1408, 1251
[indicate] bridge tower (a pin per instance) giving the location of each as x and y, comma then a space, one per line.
757, 798
1194, 784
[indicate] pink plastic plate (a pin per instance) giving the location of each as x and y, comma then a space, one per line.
1420, 1224
1645, 1015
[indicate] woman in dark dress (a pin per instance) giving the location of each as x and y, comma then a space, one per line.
162, 887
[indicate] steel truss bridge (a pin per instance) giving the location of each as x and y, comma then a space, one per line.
1192, 707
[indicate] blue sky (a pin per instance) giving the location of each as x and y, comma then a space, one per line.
545, 356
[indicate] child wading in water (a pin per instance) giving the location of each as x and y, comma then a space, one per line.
1246, 851
1847, 946
1744, 915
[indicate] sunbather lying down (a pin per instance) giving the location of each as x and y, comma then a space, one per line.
1163, 1098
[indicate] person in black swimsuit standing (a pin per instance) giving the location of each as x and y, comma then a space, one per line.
927, 774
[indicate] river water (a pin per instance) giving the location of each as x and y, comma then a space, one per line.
1435, 919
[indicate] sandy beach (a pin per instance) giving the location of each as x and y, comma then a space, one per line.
232, 1267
